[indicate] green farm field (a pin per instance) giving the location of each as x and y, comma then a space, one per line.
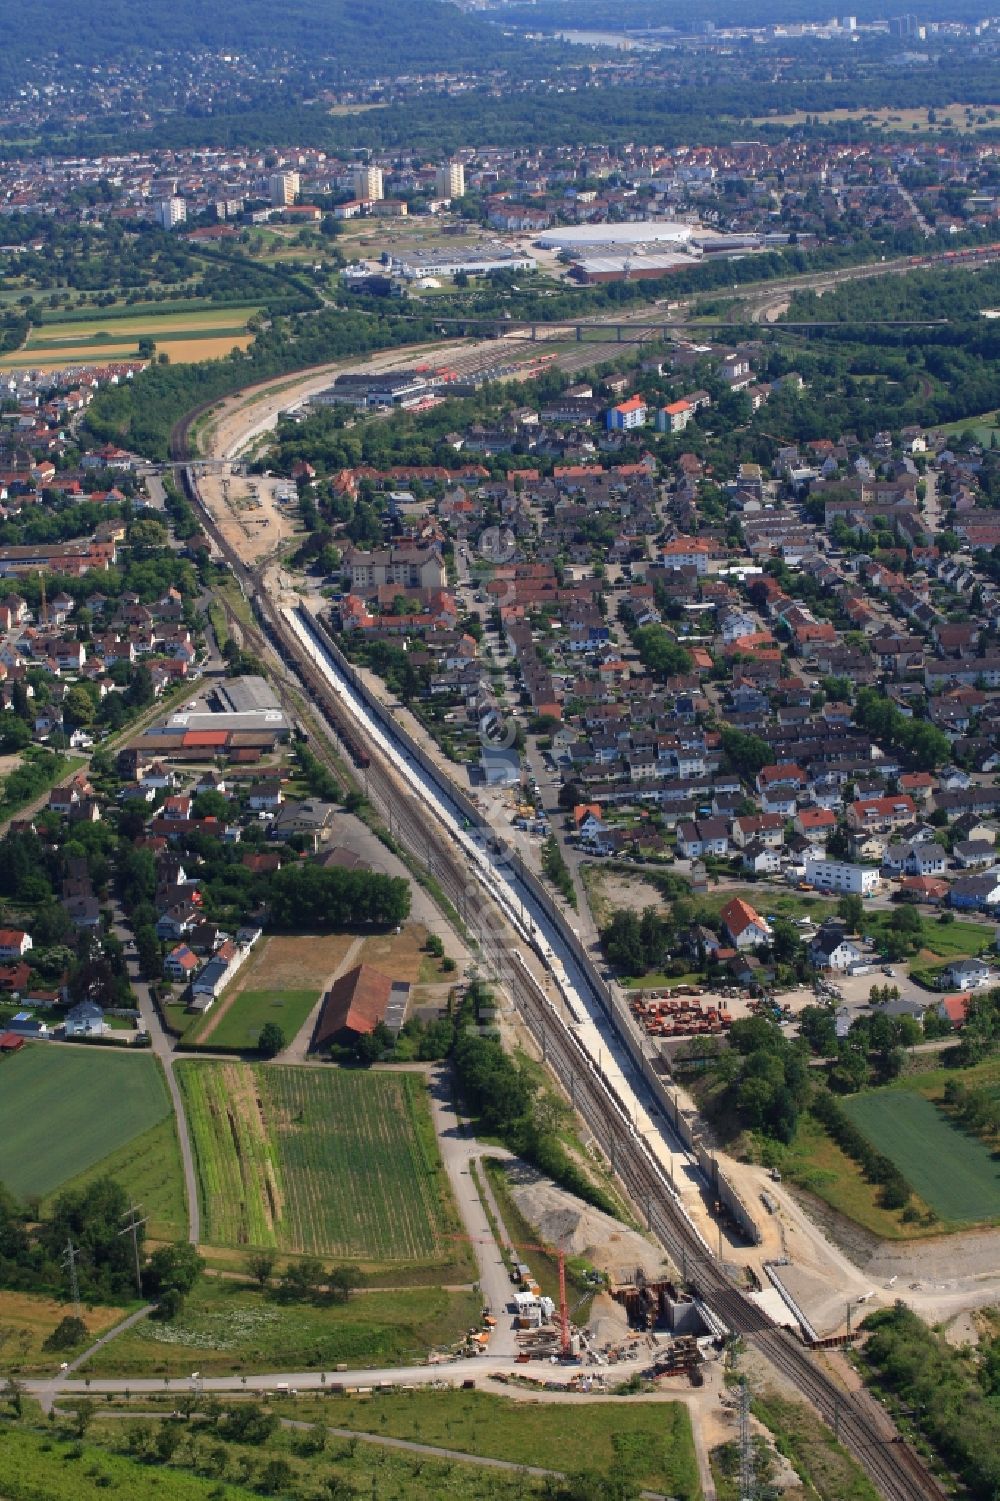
151, 1166
953, 1172
324, 1162
154, 323
202, 333
238, 1026
63, 1110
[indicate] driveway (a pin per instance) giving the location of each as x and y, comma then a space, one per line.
459, 1150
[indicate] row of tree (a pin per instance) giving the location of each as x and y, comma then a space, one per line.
309, 897
895, 1192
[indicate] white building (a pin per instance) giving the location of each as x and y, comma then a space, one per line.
840, 875
368, 183
283, 188
450, 180
648, 232
171, 212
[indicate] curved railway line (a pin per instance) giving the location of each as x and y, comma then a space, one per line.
860, 1423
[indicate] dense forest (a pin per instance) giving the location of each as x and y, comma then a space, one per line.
950, 1395
949, 293
359, 37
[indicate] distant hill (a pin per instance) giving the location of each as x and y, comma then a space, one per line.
364, 37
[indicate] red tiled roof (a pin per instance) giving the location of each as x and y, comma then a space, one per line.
205, 737
355, 1003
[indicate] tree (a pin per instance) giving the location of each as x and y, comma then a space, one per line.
78, 706
260, 1265
303, 1279
84, 1414
176, 1266
211, 804
275, 1477
271, 1040
747, 754
302, 896
341, 1281
818, 1026
660, 653
140, 690
368, 1049
852, 909
248, 1423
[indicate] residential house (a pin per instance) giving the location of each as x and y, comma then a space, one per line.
966, 974
745, 927
838, 875
86, 1019
14, 944
831, 948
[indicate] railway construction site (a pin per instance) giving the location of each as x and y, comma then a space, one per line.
580, 1032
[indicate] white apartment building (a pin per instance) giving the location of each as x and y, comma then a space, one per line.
840, 875
171, 212
368, 184
283, 188
450, 180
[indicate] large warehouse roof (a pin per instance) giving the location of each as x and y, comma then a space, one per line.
640, 265
572, 237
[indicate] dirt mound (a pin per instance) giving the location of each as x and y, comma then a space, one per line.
563, 1220
608, 1322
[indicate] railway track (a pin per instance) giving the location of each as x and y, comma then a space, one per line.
859, 1422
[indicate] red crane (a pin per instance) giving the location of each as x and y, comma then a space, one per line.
565, 1343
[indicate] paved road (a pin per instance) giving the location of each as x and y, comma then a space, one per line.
449, 1373
459, 1150
47, 1393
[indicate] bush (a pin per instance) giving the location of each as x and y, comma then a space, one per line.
68, 1332
271, 1041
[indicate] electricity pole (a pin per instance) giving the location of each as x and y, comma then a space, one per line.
132, 1228
69, 1261
748, 1484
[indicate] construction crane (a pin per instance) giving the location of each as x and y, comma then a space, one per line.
565, 1343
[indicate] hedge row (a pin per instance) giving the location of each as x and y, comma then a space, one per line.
877, 1168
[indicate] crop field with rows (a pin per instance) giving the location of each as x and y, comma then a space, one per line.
321, 1162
